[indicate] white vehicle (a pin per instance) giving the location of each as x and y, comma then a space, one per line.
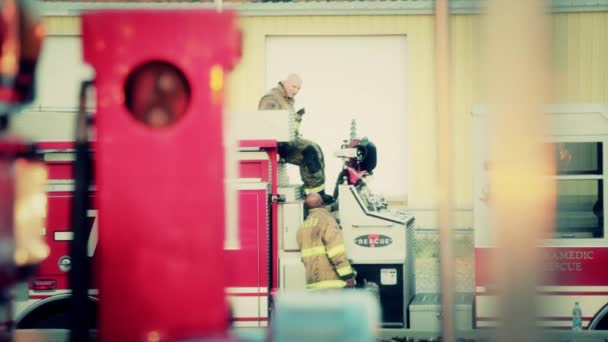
575, 256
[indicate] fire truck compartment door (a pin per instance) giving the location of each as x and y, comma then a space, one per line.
291, 215
293, 275
376, 244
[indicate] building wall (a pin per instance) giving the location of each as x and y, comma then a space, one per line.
581, 75
580, 50
419, 31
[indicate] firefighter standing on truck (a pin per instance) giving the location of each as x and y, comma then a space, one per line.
301, 152
322, 247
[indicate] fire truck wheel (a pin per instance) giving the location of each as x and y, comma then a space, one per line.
52, 313
600, 320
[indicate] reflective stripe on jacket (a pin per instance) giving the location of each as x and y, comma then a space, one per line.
323, 253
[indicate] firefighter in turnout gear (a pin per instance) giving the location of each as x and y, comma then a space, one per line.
301, 152
322, 247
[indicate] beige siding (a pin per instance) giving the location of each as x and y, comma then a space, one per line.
465, 93
581, 47
62, 26
580, 50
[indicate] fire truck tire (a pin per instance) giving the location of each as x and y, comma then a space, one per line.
52, 313
600, 320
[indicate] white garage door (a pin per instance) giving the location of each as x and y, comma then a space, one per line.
60, 72
349, 77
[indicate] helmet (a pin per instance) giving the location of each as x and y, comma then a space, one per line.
366, 155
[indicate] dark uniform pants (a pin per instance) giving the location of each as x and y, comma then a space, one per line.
309, 157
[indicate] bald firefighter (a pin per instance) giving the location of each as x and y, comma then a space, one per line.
322, 247
301, 152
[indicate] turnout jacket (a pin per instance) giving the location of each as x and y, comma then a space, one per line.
322, 247
277, 99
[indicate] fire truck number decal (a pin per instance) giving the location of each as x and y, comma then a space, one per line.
68, 235
373, 240
92, 244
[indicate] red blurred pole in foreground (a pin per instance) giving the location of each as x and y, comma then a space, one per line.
160, 170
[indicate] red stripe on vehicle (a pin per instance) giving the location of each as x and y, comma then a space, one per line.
544, 318
39, 296
573, 293
249, 319
550, 293
562, 266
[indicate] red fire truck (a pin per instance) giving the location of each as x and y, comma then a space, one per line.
157, 186
270, 209
157, 124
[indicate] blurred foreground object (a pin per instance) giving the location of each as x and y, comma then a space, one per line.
159, 125
523, 198
23, 199
22, 211
21, 35
328, 316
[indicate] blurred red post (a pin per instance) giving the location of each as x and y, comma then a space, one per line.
160, 170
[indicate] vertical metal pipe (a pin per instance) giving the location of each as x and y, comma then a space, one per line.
517, 55
80, 272
444, 165
231, 238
